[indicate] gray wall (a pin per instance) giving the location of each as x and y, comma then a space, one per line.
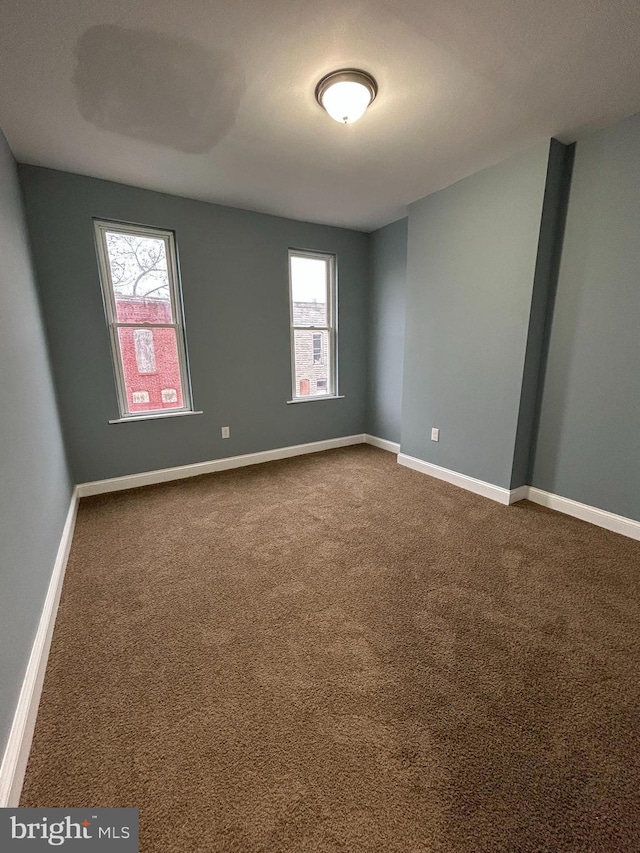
588, 444
556, 196
235, 288
472, 253
34, 483
387, 282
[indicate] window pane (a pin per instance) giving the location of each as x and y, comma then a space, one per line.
151, 390
309, 291
311, 377
140, 278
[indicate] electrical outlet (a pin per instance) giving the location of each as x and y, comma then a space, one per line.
435, 434
225, 432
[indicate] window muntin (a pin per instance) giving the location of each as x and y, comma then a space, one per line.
139, 277
312, 292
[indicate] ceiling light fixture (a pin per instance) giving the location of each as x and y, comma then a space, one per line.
346, 94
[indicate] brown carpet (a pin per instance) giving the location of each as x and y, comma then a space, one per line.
334, 653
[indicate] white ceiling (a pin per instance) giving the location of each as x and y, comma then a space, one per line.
215, 100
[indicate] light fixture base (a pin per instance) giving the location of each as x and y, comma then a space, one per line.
347, 75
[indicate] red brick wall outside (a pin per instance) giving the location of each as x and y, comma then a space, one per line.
307, 373
166, 376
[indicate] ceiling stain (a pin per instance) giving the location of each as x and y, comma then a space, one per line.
163, 89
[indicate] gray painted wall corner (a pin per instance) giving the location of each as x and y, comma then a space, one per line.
554, 211
35, 487
386, 328
471, 264
588, 443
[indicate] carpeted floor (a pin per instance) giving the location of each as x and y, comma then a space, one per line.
334, 653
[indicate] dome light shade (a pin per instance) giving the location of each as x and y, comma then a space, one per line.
346, 94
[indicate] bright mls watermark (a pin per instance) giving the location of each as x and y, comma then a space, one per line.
102, 830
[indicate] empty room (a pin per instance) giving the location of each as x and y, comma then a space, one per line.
320, 426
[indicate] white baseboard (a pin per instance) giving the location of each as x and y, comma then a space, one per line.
16, 755
164, 475
600, 517
519, 494
479, 487
383, 443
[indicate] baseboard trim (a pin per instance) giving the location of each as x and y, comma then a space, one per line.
16, 754
600, 517
165, 475
478, 487
519, 494
383, 443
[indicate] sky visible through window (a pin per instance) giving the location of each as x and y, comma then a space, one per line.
138, 265
309, 279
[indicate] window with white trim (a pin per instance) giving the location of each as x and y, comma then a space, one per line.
141, 290
312, 298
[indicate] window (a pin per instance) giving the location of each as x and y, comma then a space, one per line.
139, 276
317, 348
312, 290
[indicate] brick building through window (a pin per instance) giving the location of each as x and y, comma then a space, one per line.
311, 368
149, 356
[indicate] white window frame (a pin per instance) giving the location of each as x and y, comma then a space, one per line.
101, 227
331, 354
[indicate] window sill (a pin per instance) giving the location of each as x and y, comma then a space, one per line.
316, 399
153, 417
